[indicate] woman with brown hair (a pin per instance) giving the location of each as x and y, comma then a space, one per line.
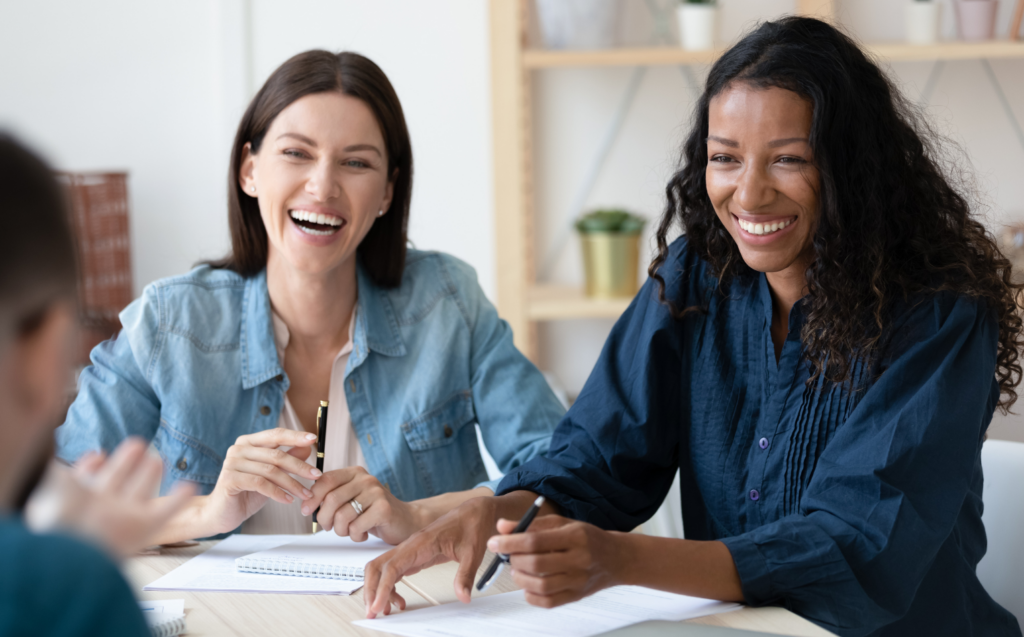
224, 368
819, 357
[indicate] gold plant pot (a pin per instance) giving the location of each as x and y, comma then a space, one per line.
610, 263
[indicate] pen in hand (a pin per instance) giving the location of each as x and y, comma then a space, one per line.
321, 443
500, 560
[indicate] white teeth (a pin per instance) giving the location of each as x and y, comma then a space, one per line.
316, 232
312, 217
763, 228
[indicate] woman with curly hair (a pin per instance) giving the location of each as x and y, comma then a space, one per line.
819, 356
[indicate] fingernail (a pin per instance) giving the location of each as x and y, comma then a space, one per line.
289, 497
307, 493
310, 436
492, 544
316, 473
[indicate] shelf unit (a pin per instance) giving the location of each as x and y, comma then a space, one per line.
522, 301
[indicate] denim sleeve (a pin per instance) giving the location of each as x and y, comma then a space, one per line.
515, 407
115, 400
614, 455
887, 490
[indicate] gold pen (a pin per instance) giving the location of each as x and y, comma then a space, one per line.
321, 443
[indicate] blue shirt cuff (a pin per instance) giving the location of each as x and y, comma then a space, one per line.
755, 578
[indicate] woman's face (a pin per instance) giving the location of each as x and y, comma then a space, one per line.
321, 176
761, 178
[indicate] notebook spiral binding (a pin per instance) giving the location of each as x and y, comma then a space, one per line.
298, 569
170, 628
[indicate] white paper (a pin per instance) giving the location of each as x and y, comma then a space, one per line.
166, 606
509, 615
163, 612
322, 555
214, 570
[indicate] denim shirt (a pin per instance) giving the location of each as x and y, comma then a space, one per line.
196, 366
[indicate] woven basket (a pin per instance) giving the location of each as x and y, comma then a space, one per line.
99, 214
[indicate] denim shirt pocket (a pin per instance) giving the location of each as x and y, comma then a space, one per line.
443, 439
186, 458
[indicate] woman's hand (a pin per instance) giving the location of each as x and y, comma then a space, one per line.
110, 500
558, 560
255, 471
383, 515
459, 535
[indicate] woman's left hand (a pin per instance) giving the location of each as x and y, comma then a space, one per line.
558, 560
383, 515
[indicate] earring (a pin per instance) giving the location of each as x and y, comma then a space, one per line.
252, 189
380, 213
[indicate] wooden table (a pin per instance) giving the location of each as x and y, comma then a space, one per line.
262, 614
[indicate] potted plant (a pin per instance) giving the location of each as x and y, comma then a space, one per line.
611, 252
578, 24
976, 19
922, 26
697, 24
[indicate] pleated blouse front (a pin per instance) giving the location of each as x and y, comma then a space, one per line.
857, 505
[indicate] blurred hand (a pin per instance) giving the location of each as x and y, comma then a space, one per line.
255, 471
459, 535
557, 560
384, 515
110, 501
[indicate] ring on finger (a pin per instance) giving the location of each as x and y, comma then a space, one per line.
355, 505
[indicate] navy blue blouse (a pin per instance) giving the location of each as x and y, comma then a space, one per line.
858, 509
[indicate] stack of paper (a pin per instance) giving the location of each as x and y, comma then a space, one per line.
509, 615
166, 617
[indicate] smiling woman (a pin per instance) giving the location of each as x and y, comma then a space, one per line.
224, 368
819, 357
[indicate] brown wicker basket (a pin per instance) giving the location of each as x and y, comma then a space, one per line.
99, 215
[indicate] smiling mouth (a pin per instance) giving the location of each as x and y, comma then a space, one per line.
316, 224
761, 229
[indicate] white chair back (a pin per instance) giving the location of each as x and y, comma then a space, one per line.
1001, 571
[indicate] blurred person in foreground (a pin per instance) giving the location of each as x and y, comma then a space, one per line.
56, 583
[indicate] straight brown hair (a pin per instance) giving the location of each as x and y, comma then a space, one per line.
382, 251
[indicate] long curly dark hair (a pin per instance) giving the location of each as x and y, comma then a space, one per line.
895, 218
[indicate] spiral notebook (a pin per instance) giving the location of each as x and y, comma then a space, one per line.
324, 555
166, 617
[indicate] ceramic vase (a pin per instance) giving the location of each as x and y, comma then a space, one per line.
922, 25
976, 19
697, 25
578, 24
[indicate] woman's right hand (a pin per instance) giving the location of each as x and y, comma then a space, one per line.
256, 470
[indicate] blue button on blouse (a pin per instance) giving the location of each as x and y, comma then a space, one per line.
874, 526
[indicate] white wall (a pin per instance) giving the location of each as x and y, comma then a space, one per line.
157, 89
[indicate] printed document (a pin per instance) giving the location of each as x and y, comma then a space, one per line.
509, 615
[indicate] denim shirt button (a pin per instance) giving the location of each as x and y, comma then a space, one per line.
448, 431
369, 439
352, 384
279, 377
265, 410
182, 464
754, 495
763, 443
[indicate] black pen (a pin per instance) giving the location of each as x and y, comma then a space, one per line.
501, 559
321, 442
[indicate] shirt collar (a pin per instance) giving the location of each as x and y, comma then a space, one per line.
764, 293
376, 329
